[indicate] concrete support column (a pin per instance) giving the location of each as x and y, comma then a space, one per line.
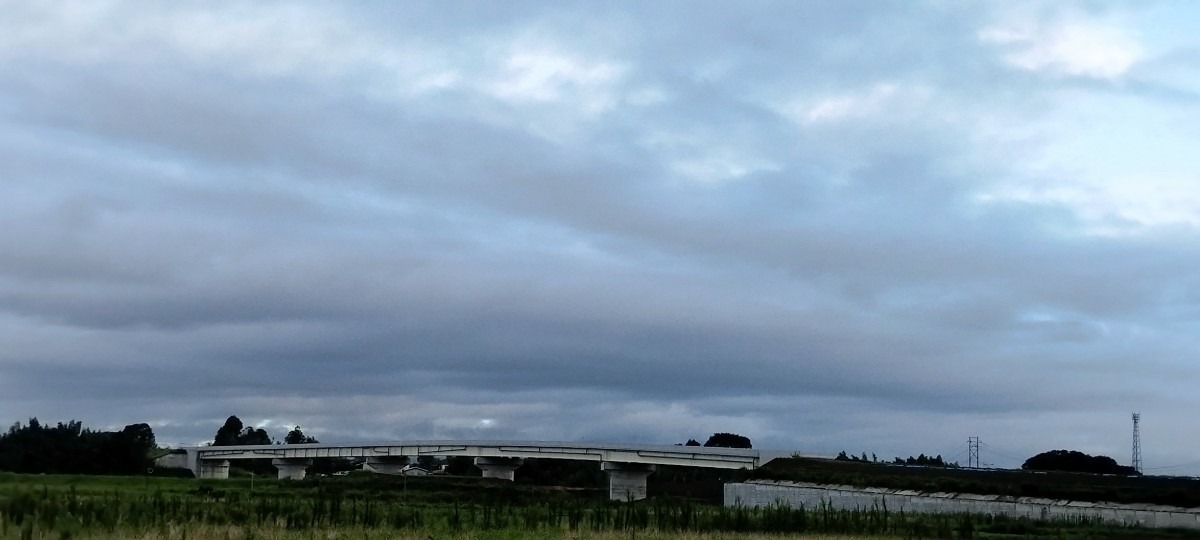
291, 468
626, 481
214, 468
498, 467
393, 465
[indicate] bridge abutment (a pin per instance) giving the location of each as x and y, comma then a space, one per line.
393, 465
291, 469
626, 481
498, 467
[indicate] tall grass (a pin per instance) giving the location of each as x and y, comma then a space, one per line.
29, 513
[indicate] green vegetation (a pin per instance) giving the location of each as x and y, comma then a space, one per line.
233, 433
1075, 461
1172, 491
72, 449
370, 506
722, 440
728, 440
922, 460
296, 436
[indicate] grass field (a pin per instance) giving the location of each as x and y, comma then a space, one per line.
372, 507
238, 533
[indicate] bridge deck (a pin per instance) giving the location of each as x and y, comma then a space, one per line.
693, 456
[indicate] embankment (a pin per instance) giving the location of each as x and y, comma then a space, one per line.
766, 492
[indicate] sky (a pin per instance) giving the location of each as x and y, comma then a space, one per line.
882, 227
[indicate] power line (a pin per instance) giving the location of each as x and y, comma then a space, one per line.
1189, 464
957, 451
1002, 452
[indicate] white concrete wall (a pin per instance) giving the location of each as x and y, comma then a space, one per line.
764, 493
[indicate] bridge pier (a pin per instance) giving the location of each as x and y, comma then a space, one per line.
213, 468
291, 469
626, 481
393, 465
498, 467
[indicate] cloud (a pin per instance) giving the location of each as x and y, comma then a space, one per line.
860, 226
1071, 46
1120, 207
873, 104
542, 76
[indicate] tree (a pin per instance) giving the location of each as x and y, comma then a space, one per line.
71, 449
251, 435
229, 433
692, 442
728, 440
140, 434
1075, 461
429, 463
461, 466
234, 433
295, 436
129, 450
560, 472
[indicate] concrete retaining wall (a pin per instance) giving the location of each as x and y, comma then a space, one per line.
794, 494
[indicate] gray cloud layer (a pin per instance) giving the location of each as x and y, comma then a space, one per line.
824, 226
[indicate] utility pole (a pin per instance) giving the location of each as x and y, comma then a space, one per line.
972, 452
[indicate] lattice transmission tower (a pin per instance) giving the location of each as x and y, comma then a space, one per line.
1137, 444
972, 452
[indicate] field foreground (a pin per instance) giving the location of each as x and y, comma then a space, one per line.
387, 508
239, 533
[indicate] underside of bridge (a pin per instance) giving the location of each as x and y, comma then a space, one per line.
627, 481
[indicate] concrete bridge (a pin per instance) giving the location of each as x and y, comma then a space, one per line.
627, 465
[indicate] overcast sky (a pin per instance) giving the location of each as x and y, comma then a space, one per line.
871, 226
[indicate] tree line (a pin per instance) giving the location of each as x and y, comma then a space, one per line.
1053, 460
721, 440
235, 433
1075, 461
921, 460
70, 448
